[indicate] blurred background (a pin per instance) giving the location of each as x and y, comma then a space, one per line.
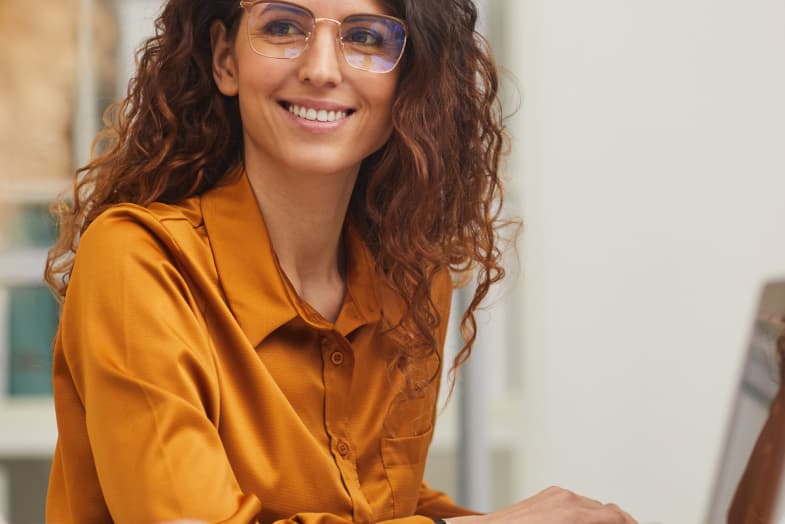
648, 165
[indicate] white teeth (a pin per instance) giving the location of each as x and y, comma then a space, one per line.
322, 115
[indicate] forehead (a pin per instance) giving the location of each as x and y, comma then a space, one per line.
340, 8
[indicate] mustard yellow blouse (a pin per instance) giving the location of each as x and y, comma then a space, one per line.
191, 382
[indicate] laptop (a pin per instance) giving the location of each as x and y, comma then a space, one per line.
750, 485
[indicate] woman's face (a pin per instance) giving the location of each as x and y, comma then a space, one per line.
284, 102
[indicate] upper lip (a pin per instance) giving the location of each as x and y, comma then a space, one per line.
316, 104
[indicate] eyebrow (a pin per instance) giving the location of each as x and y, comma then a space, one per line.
286, 7
374, 10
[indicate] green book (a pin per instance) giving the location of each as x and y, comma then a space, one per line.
33, 317
30, 225
31, 309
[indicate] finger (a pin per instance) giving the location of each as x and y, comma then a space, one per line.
565, 496
552, 491
627, 517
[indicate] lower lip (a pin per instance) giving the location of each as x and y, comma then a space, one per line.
315, 126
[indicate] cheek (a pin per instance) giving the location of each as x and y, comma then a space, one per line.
258, 76
255, 90
385, 122
384, 96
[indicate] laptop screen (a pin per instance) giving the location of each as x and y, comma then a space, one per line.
749, 486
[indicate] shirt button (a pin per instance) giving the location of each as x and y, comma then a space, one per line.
336, 358
343, 448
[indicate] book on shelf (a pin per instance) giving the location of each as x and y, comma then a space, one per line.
32, 324
28, 311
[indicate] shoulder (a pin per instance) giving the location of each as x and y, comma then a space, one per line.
395, 305
124, 219
129, 237
125, 227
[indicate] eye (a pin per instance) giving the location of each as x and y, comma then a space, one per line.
364, 37
282, 28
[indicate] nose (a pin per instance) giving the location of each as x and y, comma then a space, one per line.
321, 60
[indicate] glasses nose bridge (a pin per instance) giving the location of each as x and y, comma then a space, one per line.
317, 21
331, 20
315, 25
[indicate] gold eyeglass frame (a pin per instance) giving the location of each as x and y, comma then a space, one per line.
247, 4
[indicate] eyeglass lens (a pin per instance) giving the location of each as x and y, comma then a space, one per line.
369, 42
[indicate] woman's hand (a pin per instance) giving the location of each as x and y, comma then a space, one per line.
553, 506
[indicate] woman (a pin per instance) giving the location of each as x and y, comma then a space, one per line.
253, 321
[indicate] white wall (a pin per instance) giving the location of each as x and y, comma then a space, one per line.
136, 18
650, 160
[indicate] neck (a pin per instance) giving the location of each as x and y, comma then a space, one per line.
304, 215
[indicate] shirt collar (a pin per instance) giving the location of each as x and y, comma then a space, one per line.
257, 291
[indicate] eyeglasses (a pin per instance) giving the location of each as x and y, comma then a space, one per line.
368, 42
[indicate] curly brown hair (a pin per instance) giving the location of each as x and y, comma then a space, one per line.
430, 199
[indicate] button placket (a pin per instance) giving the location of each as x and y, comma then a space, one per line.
338, 367
337, 376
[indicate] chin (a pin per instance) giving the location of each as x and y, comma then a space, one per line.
324, 163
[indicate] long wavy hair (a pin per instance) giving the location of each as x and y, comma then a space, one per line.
429, 200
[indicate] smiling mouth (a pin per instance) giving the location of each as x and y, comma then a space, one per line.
316, 114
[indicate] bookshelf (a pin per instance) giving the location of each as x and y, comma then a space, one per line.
28, 420
28, 429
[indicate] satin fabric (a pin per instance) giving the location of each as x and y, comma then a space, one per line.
191, 382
